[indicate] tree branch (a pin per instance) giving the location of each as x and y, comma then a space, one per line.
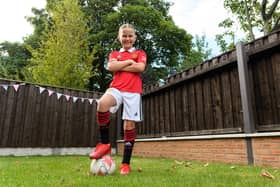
264, 2
276, 25
273, 7
249, 21
255, 2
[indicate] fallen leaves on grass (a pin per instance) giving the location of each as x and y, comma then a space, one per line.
181, 163
178, 162
188, 164
266, 174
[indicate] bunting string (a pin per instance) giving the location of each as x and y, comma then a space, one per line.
49, 91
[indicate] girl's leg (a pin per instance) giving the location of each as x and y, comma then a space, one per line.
129, 138
103, 120
103, 116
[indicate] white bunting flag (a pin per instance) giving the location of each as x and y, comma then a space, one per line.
16, 86
41, 89
58, 95
90, 101
50, 92
75, 99
67, 97
5, 87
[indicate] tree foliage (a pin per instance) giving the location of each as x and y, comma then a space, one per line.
13, 58
63, 58
199, 52
252, 16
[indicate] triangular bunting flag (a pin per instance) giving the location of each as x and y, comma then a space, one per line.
67, 97
16, 86
41, 89
50, 92
90, 101
75, 99
58, 95
5, 87
82, 99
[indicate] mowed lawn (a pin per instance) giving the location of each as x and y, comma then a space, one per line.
146, 172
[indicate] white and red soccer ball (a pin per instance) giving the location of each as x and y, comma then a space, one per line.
103, 166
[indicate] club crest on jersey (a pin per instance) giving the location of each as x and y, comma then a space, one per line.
133, 55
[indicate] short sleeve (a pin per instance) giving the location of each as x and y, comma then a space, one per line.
113, 55
142, 57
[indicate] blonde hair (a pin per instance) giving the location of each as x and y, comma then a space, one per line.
126, 25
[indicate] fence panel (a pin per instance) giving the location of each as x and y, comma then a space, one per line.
44, 116
265, 69
206, 99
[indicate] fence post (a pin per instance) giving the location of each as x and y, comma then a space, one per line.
248, 117
242, 63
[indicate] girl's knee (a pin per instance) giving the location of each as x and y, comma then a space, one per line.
102, 106
128, 125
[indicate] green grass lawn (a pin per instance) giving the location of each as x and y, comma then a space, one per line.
147, 172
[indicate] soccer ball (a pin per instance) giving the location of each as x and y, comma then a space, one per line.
103, 166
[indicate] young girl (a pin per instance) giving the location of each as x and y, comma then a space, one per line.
126, 87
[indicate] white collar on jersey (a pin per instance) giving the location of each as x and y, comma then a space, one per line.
130, 50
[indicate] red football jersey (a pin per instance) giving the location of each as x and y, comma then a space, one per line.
128, 81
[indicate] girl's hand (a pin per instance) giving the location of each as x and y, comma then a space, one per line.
130, 62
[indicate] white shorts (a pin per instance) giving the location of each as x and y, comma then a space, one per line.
132, 104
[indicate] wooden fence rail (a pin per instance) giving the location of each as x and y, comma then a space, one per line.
43, 116
209, 98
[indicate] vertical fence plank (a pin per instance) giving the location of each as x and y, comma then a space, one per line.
37, 130
192, 107
172, 114
17, 124
147, 116
94, 130
161, 114
167, 112
217, 101
208, 104
156, 114
179, 125
8, 113
28, 120
3, 100
199, 105
227, 99
236, 96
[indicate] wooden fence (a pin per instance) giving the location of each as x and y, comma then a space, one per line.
219, 95
43, 116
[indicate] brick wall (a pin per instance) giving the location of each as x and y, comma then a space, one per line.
266, 151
